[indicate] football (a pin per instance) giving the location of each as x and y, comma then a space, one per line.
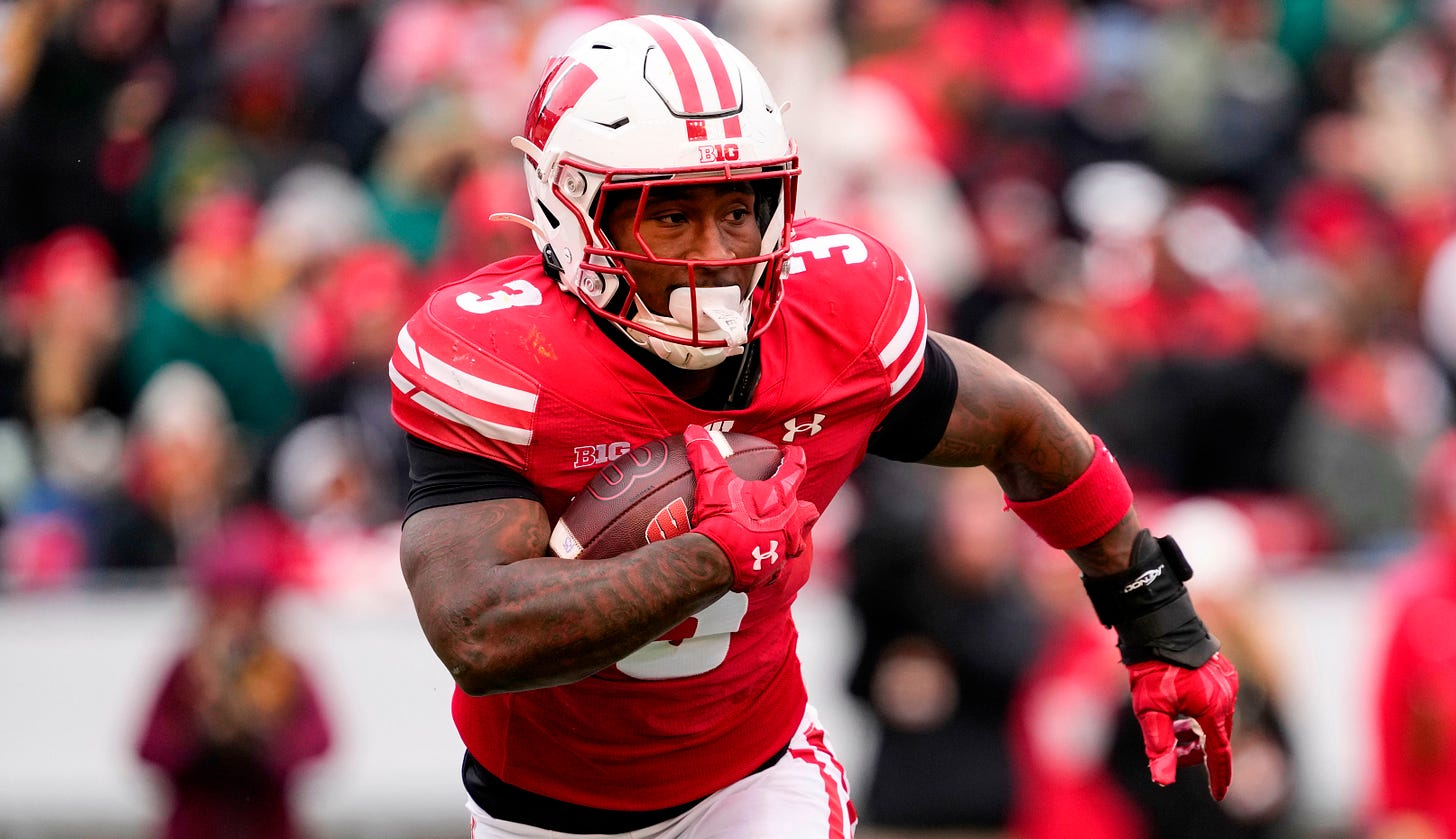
646, 495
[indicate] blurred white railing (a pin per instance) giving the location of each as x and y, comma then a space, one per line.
77, 670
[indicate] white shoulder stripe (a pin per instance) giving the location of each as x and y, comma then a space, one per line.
901, 340
407, 346
910, 368
474, 386
493, 430
477, 387
404, 385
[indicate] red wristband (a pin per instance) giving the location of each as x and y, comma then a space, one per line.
1083, 511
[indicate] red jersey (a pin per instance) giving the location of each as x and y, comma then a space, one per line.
1416, 692
1062, 721
505, 365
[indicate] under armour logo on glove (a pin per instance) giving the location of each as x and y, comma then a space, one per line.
1162, 692
742, 516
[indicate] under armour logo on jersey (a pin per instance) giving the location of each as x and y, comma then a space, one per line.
772, 555
794, 427
598, 455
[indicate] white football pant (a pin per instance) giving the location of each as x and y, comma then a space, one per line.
803, 796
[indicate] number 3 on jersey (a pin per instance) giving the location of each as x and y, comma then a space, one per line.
699, 643
850, 249
681, 653
521, 293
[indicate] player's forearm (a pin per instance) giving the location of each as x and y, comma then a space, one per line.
1102, 555
551, 621
1029, 440
543, 621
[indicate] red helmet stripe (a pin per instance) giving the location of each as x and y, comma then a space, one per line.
682, 70
716, 65
566, 80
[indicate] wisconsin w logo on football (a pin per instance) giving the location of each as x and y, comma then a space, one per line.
670, 521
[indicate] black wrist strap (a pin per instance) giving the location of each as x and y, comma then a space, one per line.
1149, 606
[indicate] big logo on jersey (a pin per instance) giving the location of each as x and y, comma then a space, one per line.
598, 455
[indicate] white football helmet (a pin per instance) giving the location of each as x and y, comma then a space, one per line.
656, 100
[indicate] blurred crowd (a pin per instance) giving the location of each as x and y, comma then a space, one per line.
1223, 232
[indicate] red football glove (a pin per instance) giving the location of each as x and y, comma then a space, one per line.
1161, 692
759, 525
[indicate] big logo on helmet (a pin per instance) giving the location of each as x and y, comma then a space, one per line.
718, 152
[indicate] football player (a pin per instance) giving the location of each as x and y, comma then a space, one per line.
658, 693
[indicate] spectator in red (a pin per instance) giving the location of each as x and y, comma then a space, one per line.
1063, 719
470, 238
201, 306
1415, 783
236, 716
66, 307
344, 333
61, 322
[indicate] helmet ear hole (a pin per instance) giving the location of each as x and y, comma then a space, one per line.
548, 215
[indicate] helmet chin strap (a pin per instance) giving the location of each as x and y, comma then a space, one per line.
721, 313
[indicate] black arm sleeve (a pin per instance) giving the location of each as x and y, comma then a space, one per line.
913, 427
441, 476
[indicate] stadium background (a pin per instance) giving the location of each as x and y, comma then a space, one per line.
1222, 231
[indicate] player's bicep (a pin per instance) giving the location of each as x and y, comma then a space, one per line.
1001, 418
442, 545
452, 557
465, 513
